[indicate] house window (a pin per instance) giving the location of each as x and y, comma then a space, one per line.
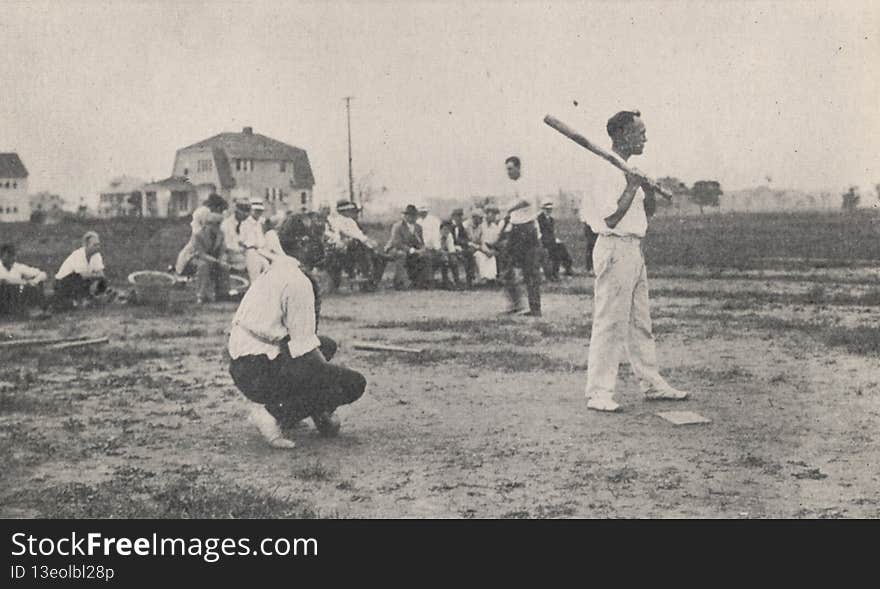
238, 165
304, 198
204, 165
15, 184
186, 171
267, 194
7, 184
283, 166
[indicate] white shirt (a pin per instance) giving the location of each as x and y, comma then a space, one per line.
20, 274
76, 263
273, 244
251, 233
430, 231
200, 218
279, 303
346, 228
600, 202
491, 232
230, 233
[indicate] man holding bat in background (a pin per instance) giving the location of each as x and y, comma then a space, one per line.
618, 209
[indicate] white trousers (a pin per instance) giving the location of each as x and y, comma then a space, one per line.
486, 266
621, 318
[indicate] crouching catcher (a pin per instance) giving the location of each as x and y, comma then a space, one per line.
278, 360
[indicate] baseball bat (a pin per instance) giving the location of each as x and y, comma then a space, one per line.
558, 125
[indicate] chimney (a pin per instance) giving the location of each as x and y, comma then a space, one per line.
248, 130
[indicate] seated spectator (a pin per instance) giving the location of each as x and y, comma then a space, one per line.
556, 253
448, 257
21, 287
463, 241
212, 273
80, 279
412, 264
348, 248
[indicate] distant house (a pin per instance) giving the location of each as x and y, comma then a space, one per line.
172, 197
14, 204
241, 166
51, 205
121, 198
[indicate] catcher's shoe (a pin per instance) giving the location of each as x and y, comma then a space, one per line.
269, 429
326, 423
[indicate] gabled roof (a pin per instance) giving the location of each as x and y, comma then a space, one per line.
172, 183
11, 166
250, 145
123, 185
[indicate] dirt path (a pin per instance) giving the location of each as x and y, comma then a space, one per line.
489, 422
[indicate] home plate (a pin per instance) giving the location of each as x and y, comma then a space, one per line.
683, 417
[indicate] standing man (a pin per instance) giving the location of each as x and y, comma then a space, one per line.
407, 248
253, 239
521, 246
618, 210
81, 275
21, 287
278, 361
557, 253
231, 229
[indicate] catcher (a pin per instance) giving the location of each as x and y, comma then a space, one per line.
278, 361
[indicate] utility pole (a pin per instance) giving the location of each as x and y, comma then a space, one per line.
350, 174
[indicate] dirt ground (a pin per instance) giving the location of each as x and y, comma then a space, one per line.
489, 421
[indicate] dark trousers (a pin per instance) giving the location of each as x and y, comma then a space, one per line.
524, 252
355, 257
448, 263
416, 269
212, 281
292, 389
591, 237
74, 287
557, 255
16, 299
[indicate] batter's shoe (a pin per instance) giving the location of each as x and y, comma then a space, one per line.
665, 394
603, 404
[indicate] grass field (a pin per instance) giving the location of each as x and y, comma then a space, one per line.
773, 325
736, 241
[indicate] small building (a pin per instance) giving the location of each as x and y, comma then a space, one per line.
247, 165
173, 197
50, 205
14, 203
121, 198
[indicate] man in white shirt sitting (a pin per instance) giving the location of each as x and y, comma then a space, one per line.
278, 359
350, 249
81, 276
21, 287
618, 210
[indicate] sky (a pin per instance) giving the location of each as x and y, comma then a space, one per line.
737, 92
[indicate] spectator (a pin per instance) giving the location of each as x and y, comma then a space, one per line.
407, 248
80, 278
212, 273
557, 253
21, 287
